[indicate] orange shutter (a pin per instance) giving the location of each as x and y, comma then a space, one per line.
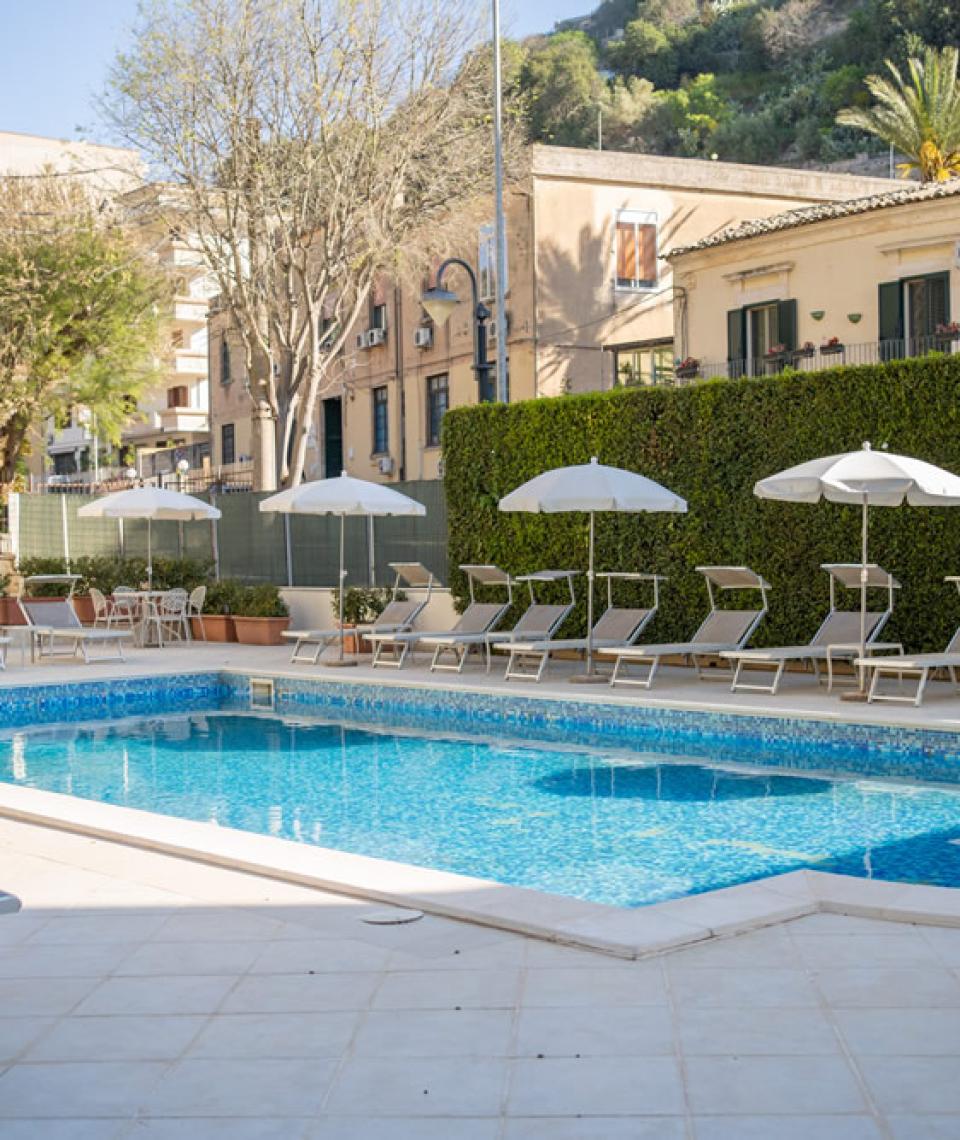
648, 252
626, 251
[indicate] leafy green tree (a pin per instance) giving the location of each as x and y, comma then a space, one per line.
919, 114
685, 120
563, 88
646, 51
78, 312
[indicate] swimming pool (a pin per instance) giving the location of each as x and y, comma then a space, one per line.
609, 825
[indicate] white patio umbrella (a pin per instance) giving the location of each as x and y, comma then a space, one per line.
866, 478
591, 487
149, 503
343, 496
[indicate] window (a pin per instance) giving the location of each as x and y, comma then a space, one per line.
325, 331
378, 316
636, 241
487, 263
227, 444
381, 425
438, 400
759, 336
178, 397
226, 370
645, 364
176, 338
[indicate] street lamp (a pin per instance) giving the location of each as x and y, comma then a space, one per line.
440, 303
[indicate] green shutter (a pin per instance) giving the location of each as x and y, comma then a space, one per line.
787, 324
938, 292
736, 341
890, 323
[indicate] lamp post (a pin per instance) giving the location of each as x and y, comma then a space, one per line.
440, 303
500, 227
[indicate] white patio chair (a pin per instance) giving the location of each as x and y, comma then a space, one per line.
198, 595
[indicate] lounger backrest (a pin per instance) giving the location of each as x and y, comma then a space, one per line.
842, 627
541, 620
620, 625
479, 617
57, 614
399, 613
726, 627
954, 646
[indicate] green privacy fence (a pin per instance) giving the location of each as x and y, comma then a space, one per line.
255, 547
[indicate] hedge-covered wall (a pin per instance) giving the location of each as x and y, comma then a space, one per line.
711, 443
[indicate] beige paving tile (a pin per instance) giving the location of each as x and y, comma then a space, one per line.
896, 1032
434, 1033
409, 1128
117, 1039
594, 1086
631, 1031
473, 989
298, 993
319, 956
42, 997
786, 1128
212, 1128
889, 988
775, 1085
276, 1035
262, 1088
161, 959
927, 1127
64, 1129
123, 928
157, 995
595, 1128
423, 1087
945, 943
769, 948
911, 1085
733, 988
639, 984
217, 926
18, 1033
758, 1031
837, 951
104, 1089
86, 960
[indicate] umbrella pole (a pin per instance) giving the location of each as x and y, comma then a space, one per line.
149, 554
590, 602
863, 591
342, 520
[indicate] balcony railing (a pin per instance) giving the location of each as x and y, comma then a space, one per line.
817, 358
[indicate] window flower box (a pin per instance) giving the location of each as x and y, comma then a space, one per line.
688, 369
805, 351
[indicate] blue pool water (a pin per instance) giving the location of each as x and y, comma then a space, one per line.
611, 827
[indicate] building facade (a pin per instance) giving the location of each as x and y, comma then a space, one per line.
858, 282
589, 298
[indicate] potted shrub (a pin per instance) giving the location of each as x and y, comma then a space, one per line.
946, 334
218, 608
260, 615
362, 605
833, 347
688, 368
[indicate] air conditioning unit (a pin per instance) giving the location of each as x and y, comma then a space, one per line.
423, 337
361, 341
386, 465
375, 337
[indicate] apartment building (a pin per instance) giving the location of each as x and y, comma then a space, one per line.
590, 302
855, 282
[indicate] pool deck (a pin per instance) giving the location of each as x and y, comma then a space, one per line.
146, 996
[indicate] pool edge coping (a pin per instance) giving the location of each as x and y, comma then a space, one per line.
622, 932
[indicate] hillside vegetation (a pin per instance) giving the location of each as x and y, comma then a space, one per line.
757, 81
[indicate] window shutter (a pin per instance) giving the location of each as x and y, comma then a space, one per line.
890, 295
938, 291
648, 252
787, 324
736, 341
626, 251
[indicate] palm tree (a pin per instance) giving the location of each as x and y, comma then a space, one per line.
919, 115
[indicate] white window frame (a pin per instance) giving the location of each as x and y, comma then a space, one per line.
636, 218
487, 264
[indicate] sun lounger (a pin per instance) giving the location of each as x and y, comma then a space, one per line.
837, 639
477, 620
722, 629
618, 627
538, 621
919, 665
54, 622
4, 642
399, 614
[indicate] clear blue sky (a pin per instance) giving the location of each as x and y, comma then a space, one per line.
54, 55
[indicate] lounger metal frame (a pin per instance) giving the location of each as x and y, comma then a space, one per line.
536, 654
701, 645
392, 649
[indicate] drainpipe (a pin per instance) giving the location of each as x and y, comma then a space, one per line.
398, 368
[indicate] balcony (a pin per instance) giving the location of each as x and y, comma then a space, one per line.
68, 439
190, 310
815, 358
182, 420
186, 362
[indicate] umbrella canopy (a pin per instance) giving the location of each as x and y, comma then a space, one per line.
148, 503
343, 496
591, 487
866, 478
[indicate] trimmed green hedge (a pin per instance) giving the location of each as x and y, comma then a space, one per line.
711, 443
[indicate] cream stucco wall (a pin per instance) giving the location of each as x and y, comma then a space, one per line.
833, 267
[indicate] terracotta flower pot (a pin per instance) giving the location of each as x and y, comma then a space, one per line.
260, 630
218, 627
